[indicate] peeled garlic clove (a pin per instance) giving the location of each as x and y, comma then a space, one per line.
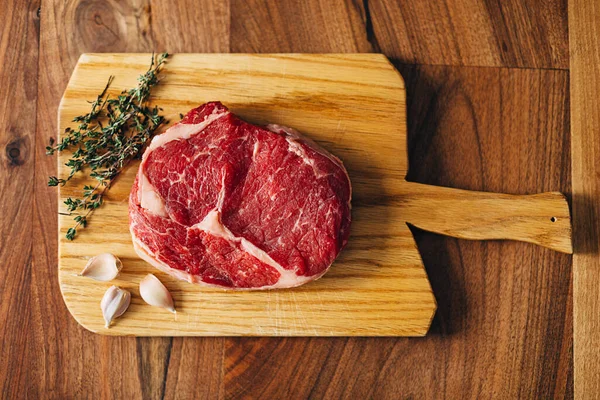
104, 267
155, 293
114, 303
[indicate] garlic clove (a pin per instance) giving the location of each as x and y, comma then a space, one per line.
155, 293
103, 267
114, 303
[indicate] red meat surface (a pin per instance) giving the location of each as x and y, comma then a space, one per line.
220, 201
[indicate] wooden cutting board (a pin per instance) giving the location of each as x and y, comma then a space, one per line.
353, 105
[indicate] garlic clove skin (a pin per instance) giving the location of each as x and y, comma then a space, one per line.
155, 293
114, 303
103, 267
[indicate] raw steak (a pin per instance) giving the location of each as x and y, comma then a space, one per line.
221, 202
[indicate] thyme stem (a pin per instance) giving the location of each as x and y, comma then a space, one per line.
105, 149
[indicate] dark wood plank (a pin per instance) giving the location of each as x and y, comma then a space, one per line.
190, 27
64, 360
473, 32
510, 315
503, 328
196, 369
311, 26
19, 34
584, 39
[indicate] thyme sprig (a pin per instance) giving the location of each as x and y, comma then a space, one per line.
108, 137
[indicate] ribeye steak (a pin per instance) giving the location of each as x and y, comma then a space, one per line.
221, 202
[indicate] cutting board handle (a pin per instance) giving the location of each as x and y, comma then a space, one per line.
543, 219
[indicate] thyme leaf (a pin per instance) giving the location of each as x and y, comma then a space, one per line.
106, 139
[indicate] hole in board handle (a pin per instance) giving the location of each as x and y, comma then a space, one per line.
553, 219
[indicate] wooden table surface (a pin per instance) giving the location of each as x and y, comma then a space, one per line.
488, 109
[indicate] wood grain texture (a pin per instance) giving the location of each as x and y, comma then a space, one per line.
524, 347
59, 359
190, 26
503, 328
19, 27
466, 32
309, 26
585, 155
472, 32
542, 219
